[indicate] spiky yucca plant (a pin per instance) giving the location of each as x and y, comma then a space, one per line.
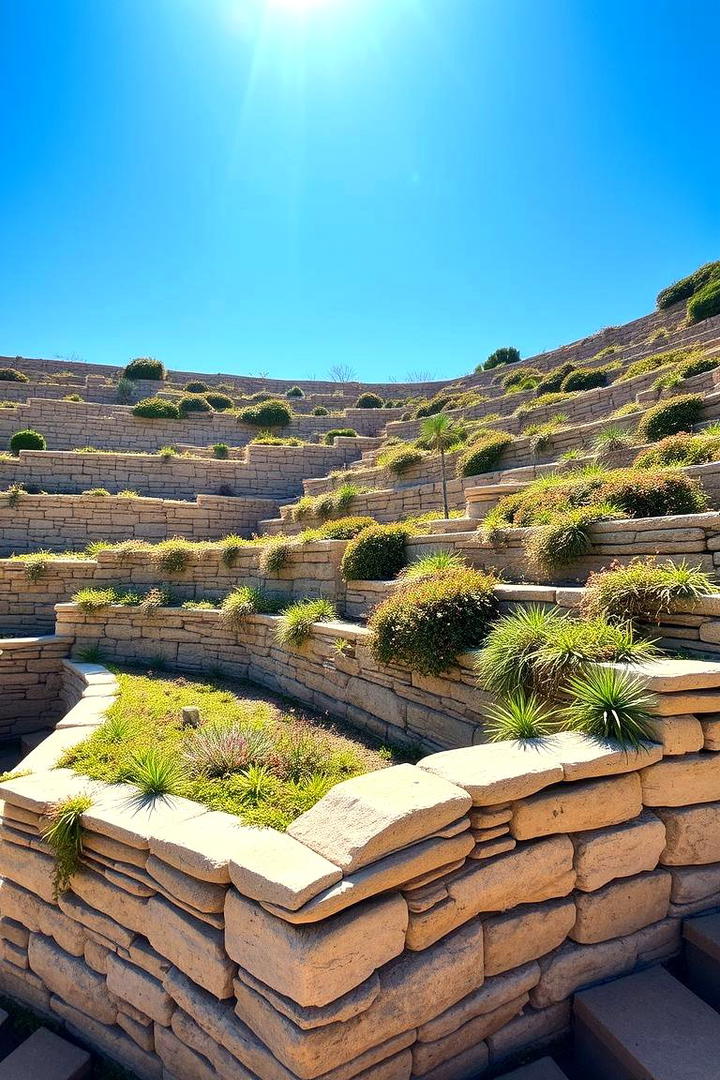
519, 716
609, 704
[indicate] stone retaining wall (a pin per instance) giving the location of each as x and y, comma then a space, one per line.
70, 522
30, 683
427, 921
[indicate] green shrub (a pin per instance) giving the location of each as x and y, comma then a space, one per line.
219, 402
344, 528
369, 401
506, 355
642, 367
220, 450
320, 410
398, 459
705, 303
8, 374
519, 377
609, 704
584, 379
669, 417
540, 403
27, 440
298, 620
94, 599
196, 387
274, 555
536, 650
267, 414
628, 409
643, 590
145, 367
551, 383
519, 716
194, 403
265, 438
688, 286
541, 435
483, 454
156, 408
329, 504
96, 492
238, 604
681, 449
427, 623
294, 392
567, 537
72, 397
62, 833
173, 556
698, 366
339, 433
125, 391
376, 554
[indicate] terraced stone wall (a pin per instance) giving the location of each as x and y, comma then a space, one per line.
70, 522
426, 921
30, 683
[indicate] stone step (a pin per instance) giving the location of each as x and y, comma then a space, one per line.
545, 1069
647, 1026
702, 957
32, 739
44, 1056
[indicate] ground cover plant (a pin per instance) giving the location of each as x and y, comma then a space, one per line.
688, 286
249, 756
12, 375
682, 449
339, 433
376, 553
398, 459
644, 590
668, 417
483, 453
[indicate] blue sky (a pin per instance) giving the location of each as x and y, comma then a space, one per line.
396, 185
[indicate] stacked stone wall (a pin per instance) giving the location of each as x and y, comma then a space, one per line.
30, 683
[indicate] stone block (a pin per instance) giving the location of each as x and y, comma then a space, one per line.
428, 1055
678, 734
191, 945
494, 993
693, 883
201, 895
693, 778
692, 834
534, 1027
362, 819
498, 772
70, 979
316, 963
135, 986
28, 868
525, 934
589, 804
618, 851
128, 817
622, 907
127, 910
574, 966
466, 1066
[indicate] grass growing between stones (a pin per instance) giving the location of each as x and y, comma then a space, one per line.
249, 756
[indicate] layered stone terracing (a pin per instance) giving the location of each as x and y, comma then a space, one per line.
424, 921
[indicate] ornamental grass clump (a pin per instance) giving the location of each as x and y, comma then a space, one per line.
298, 620
173, 556
274, 555
567, 537
426, 624
519, 716
612, 439
483, 453
377, 553
62, 833
438, 562
668, 417
609, 704
240, 603
536, 650
644, 590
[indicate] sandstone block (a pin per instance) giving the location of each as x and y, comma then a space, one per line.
692, 834
694, 778
362, 819
618, 851
428, 1055
130, 818
33, 913
534, 1027
497, 772
39, 791
573, 966
691, 883
193, 946
678, 734
465, 1066
201, 895
495, 992
28, 868
94, 921
622, 907
311, 1016
710, 724
583, 758
138, 988
525, 934
316, 963
666, 675
127, 910
70, 979
589, 804
110, 1040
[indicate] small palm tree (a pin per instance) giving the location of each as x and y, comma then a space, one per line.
439, 433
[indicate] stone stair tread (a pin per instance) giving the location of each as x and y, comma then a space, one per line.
47, 1056
544, 1069
648, 1026
704, 933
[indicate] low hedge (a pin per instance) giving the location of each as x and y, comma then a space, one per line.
584, 379
688, 286
428, 623
341, 432
219, 402
156, 408
10, 374
28, 439
706, 302
194, 403
681, 449
369, 401
145, 367
376, 554
669, 417
195, 387
484, 453
267, 414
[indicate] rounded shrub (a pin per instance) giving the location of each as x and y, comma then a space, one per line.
267, 414
320, 410
369, 401
194, 403
669, 417
428, 623
519, 376
339, 433
706, 302
27, 440
484, 453
220, 450
643, 493
687, 286
584, 379
294, 391
344, 528
195, 387
9, 374
145, 367
698, 365
376, 554
681, 449
506, 355
156, 408
551, 383
219, 402
398, 459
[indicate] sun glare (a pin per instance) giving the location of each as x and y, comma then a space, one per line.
298, 6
